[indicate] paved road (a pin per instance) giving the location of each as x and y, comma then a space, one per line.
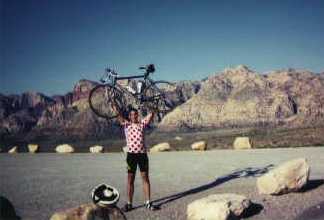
40, 184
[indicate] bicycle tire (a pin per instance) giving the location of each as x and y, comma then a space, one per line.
101, 99
159, 96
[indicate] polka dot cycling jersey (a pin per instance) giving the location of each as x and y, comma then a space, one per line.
134, 133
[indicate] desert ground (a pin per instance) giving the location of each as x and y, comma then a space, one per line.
40, 184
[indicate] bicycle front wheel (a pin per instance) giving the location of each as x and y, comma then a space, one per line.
160, 96
101, 101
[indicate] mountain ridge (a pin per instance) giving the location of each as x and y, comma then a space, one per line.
243, 97
235, 97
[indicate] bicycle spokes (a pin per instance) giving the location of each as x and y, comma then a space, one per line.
102, 99
158, 97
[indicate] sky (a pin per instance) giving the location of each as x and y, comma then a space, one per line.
48, 45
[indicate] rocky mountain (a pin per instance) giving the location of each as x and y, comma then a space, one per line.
19, 113
241, 97
33, 115
237, 97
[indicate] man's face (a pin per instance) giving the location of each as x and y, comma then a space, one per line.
133, 116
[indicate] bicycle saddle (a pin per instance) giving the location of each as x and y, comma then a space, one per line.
148, 68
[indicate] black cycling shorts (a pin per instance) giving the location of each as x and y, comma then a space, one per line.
137, 159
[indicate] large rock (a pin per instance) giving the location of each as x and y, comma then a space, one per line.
288, 177
200, 145
242, 143
13, 150
88, 212
217, 207
82, 212
96, 149
33, 148
160, 147
64, 148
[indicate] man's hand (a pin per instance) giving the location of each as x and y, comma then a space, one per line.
149, 117
120, 117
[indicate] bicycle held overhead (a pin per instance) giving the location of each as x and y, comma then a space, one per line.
140, 92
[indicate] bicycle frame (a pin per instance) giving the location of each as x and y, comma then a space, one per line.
111, 78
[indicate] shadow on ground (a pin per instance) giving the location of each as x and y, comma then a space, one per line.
243, 173
109, 213
7, 210
312, 184
253, 209
315, 212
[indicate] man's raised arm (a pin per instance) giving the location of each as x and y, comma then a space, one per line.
120, 117
149, 118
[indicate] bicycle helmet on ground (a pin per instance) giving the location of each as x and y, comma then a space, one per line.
104, 195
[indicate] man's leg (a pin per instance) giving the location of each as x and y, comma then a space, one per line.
146, 186
130, 187
147, 191
143, 164
144, 168
131, 171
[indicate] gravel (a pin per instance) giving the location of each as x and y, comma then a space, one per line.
40, 184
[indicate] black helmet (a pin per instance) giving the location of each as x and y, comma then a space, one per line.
104, 195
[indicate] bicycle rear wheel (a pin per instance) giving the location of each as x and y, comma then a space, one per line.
101, 101
160, 96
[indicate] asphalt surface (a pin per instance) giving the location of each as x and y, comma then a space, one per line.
40, 184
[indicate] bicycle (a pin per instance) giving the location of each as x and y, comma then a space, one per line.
145, 94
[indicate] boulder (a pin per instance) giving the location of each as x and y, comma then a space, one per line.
160, 147
64, 148
87, 212
178, 138
82, 212
32, 148
96, 149
200, 145
13, 150
218, 207
242, 143
288, 177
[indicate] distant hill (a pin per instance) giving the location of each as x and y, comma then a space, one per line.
235, 98
33, 115
241, 97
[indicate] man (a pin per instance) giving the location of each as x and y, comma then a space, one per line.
136, 155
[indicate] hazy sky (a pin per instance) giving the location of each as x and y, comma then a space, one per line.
48, 45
